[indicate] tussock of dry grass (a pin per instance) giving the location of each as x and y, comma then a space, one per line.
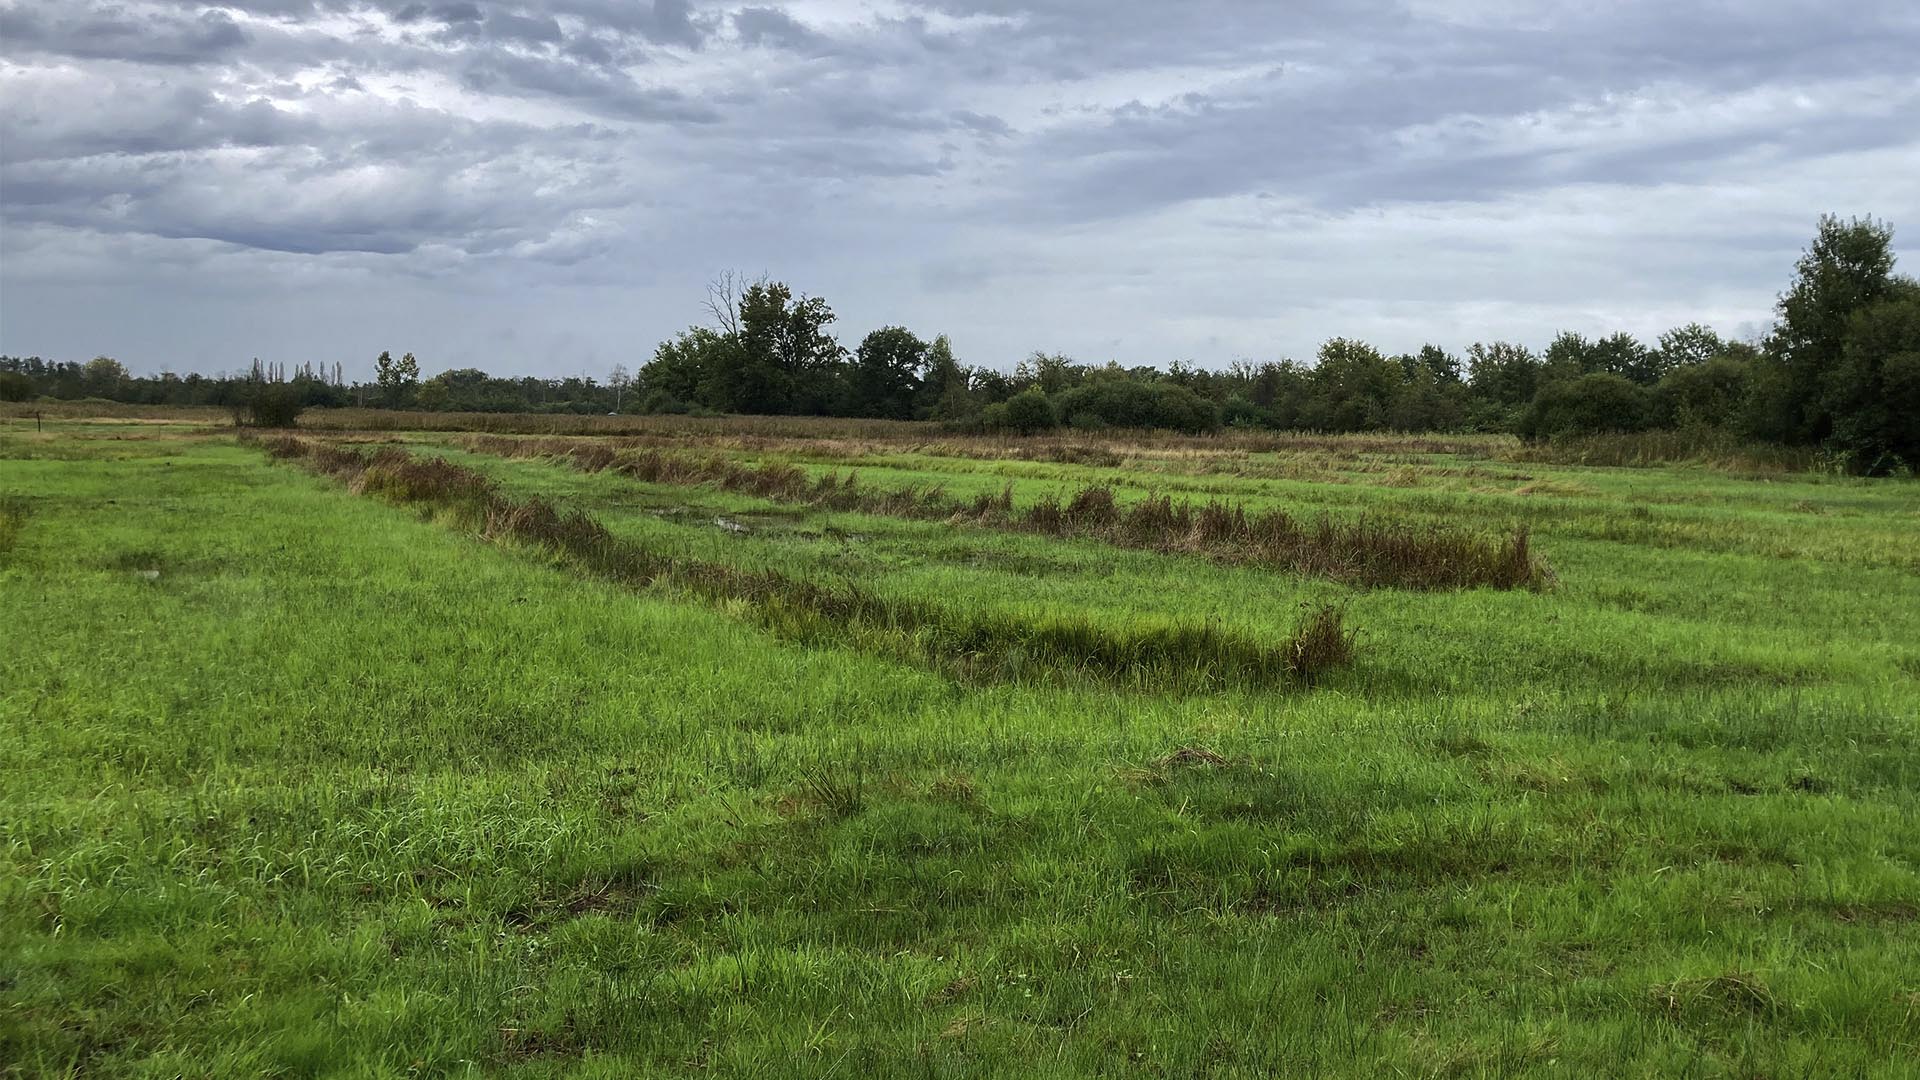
1365, 551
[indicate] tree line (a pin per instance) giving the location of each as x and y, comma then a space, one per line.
1840, 369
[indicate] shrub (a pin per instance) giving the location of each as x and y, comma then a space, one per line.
274, 405
660, 402
1707, 394
1128, 403
1585, 406
1029, 412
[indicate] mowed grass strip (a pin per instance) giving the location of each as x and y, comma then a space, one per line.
974, 645
1365, 551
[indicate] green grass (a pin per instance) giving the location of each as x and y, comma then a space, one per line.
296, 782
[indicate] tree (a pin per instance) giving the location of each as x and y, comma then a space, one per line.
1684, 346
15, 387
1849, 266
887, 374
1502, 374
1438, 362
681, 366
619, 380
102, 376
1426, 401
1281, 390
1352, 387
1873, 394
1622, 354
945, 392
1050, 372
780, 357
1568, 356
398, 379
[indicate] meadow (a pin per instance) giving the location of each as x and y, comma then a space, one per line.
680, 746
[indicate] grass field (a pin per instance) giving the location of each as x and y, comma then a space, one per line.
327, 761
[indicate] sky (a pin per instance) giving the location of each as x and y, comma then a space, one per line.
548, 188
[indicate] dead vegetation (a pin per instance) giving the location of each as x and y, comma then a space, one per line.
1705, 448
972, 644
1362, 551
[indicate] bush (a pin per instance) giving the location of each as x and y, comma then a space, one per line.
1028, 413
1587, 405
274, 405
1706, 394
659, 402
15, 387
1129, 403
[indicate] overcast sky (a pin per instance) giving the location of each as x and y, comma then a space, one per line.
546, 188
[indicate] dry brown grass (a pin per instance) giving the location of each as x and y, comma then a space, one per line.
668, 427
114, 412
1702, 447
974, 644
1362, 551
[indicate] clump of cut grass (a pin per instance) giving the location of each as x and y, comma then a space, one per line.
13, 521
1363, 551
1731, 995
974, 644
1192, 755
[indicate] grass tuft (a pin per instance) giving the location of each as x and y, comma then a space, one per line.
1322, 643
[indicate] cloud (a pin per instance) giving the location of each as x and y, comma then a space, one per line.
771, 26
110, 33
1120, 178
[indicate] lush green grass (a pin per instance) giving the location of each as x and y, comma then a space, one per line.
343, 790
